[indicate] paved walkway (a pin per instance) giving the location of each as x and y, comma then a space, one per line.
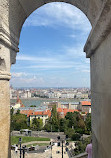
46, 154
32, 155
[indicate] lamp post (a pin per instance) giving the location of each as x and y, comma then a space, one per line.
51, 148
23, 148
20, 140
62, 148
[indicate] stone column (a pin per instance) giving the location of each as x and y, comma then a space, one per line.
98, 48
4, 115
7, 58
4, 101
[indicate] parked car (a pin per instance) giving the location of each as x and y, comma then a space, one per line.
31, 148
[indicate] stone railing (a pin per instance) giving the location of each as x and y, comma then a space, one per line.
83, 155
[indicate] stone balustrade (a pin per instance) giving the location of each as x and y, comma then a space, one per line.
83, 155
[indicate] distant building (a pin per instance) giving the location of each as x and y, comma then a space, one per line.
51, 104
31, 114
62, 112
18, 104
85, 106
68, 105
79, 95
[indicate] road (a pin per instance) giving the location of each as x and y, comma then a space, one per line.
51, 135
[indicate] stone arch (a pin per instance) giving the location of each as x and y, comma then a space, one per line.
13, 13
25, 8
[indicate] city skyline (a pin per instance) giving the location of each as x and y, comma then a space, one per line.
51, 49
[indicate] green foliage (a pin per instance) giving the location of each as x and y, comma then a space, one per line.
53, 122
12, 112
69, 132
37, 124
18, 111
88, 123
72, 121
47, 126
81, 145
76, 121
76, 137
18, 121
55, 119
63, 125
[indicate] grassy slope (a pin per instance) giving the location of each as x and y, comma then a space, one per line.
15, 139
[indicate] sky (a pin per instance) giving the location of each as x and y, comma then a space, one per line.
51, 49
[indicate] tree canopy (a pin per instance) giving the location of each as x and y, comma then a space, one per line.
37, 124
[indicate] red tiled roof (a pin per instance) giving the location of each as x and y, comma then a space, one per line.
85, 103
32, 112
27, 112
65, 111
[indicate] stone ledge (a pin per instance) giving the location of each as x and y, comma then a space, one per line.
83, 155
4, 75
100, 30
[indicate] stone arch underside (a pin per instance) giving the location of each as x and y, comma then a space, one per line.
15, 12
24, 8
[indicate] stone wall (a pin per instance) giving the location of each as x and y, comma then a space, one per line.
101, 99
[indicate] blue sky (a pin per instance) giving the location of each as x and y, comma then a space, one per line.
51, 49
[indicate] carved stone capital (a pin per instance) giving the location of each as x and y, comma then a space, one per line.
4, 75
100, 30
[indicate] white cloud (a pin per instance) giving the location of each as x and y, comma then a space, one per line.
86, 70
73, 57
72, 36
18, 79
35, 59
59, 14
19, 74
75, 52
65, 66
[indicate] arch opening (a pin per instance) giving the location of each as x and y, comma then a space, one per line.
63, 57
65, 16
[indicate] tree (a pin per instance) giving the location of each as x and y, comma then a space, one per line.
53, 122
11, 116
54, 119
88, 122
18, 121
76, 121
70, 117
11, 112
37, 124
63, 124
18, 112
81, 145
47, 126
69, 132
